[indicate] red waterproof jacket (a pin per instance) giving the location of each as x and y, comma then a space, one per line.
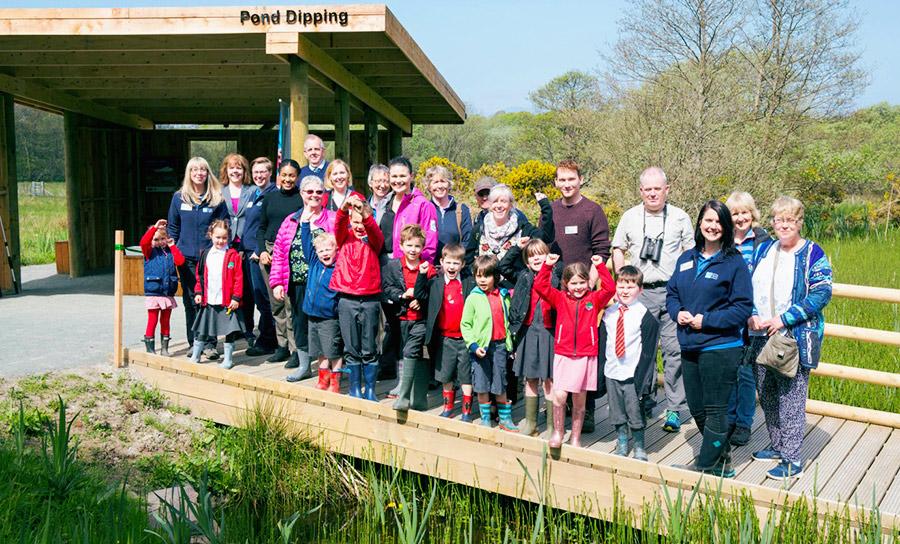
232, 278
356, 270
576, 319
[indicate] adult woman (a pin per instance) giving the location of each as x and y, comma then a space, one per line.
791, 287
380, 201
197, 204
237, 193
261, 173
275, 207
454, 219
289, 265
339, 182
410, 207
503, 225
747, 237
710, 297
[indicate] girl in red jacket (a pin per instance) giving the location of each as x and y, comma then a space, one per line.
218, 293
578, 311
357, 281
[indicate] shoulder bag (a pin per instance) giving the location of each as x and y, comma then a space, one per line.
780, 352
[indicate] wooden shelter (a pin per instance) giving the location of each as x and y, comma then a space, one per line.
118, 74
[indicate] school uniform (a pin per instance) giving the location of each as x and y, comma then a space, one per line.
398, 277
484, 325
220, 282
445, 300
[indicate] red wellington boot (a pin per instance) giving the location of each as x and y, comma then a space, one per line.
335, 386
324, 379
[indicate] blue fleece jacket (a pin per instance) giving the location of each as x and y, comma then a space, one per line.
448, 230
721, 292
189, 223
249, 243
320, 301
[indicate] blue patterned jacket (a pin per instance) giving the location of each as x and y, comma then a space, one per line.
810, 295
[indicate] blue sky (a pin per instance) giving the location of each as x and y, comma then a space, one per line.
495, 52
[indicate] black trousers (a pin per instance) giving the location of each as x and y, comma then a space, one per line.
709, 377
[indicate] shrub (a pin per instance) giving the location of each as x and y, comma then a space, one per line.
531, 177
462, 177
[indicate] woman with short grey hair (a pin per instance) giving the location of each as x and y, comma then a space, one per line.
454, 218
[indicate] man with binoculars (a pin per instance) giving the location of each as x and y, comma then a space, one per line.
651, 236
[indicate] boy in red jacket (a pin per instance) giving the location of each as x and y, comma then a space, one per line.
357, 280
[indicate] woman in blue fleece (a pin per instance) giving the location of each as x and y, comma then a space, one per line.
710, 297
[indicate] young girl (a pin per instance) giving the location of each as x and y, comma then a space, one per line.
161, 257
531, 323
219, 288
575, 361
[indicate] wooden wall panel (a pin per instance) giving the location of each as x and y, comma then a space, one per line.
9, 196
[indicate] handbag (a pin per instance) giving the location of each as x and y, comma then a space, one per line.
780, 353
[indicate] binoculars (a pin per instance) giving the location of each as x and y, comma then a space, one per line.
651, 250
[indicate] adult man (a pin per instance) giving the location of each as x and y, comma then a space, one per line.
654, 234
314, 151
580, 224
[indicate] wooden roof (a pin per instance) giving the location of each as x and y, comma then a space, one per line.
146, 66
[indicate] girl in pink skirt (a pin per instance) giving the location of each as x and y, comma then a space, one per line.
578, 311
161, 259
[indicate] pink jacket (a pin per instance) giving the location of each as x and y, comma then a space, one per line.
280, 272
415, 208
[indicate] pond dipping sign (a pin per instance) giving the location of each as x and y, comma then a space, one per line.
295, 17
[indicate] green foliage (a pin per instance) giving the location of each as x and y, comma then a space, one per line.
150, 396
39, 144
462, 178
62, 475
30, 420
42, 222
531, 177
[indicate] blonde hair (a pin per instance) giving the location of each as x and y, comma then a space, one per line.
442, 171
742, 200
262, 160
213, 194
788, 205
324, 238
330, 168
241, 161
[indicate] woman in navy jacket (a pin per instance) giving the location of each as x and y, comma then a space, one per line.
197, 204
710, 297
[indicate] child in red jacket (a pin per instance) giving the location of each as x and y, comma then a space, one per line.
161, 260
357, 281
578, 310
218, 293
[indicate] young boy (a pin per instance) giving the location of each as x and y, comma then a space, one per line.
444, 296
320, 306
400, 277
485, 329
628, 360
357, 280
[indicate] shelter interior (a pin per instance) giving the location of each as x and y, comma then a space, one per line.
137, 86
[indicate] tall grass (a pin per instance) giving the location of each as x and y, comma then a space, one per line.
43, 221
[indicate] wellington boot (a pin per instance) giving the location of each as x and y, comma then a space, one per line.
335, 386
528, 426
466, 409
449, 401
639, 452
395, 392
505, 415
559, 426
150, 344
324, 379
421, 377
164, 346
577, 424
485, 410
622, 440
712, 449
355, 374
370, 374
406, 384
548, 408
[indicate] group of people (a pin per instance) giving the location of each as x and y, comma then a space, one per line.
365, 287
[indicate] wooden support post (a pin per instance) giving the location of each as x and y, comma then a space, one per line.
299, 86
74, 181
119, 278
342, 124
9, 196
396, 141
371, 122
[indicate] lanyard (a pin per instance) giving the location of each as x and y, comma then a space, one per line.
665, 215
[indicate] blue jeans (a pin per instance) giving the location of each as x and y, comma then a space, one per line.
742, 401
261, 299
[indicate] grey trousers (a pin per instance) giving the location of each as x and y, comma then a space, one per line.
655, 301
281, 311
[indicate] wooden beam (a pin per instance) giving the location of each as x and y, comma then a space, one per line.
388, 68
299, 107
9, 195
253, 71
148, 59
226, 42
864, 292
74, 171
31, 93
395, 146
889, 338
342, 124
371, 128
297, 44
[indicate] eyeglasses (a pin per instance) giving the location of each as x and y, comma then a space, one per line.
314, 191
786, 220
483, 194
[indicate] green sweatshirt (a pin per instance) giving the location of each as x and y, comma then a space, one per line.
476, 325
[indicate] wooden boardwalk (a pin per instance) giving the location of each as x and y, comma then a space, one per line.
847, 461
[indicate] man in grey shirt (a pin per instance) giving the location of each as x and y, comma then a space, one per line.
651, 236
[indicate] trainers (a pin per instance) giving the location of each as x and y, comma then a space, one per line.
767, 455
672, 423
785, 470
211, 353
740, 436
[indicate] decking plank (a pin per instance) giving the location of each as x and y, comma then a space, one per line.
882, 476
857, 464
824, 467
755, 472
813, 443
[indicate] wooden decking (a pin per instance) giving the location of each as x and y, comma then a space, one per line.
847, 461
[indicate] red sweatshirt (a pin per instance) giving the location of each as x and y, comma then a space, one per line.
356, 271
576, 318
232, 278
147, 247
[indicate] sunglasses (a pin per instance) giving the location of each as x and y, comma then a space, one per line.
483, 194
314, 191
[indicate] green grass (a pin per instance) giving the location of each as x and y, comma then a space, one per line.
42, 222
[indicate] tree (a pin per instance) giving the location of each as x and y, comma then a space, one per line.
574, 90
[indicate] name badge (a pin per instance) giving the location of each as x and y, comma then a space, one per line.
687, 265
571, 229
185, 207
207, 210
711, 276
249, 204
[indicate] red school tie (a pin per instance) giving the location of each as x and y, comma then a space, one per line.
620, 332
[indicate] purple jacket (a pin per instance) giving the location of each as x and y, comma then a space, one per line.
415, 208
280, 272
